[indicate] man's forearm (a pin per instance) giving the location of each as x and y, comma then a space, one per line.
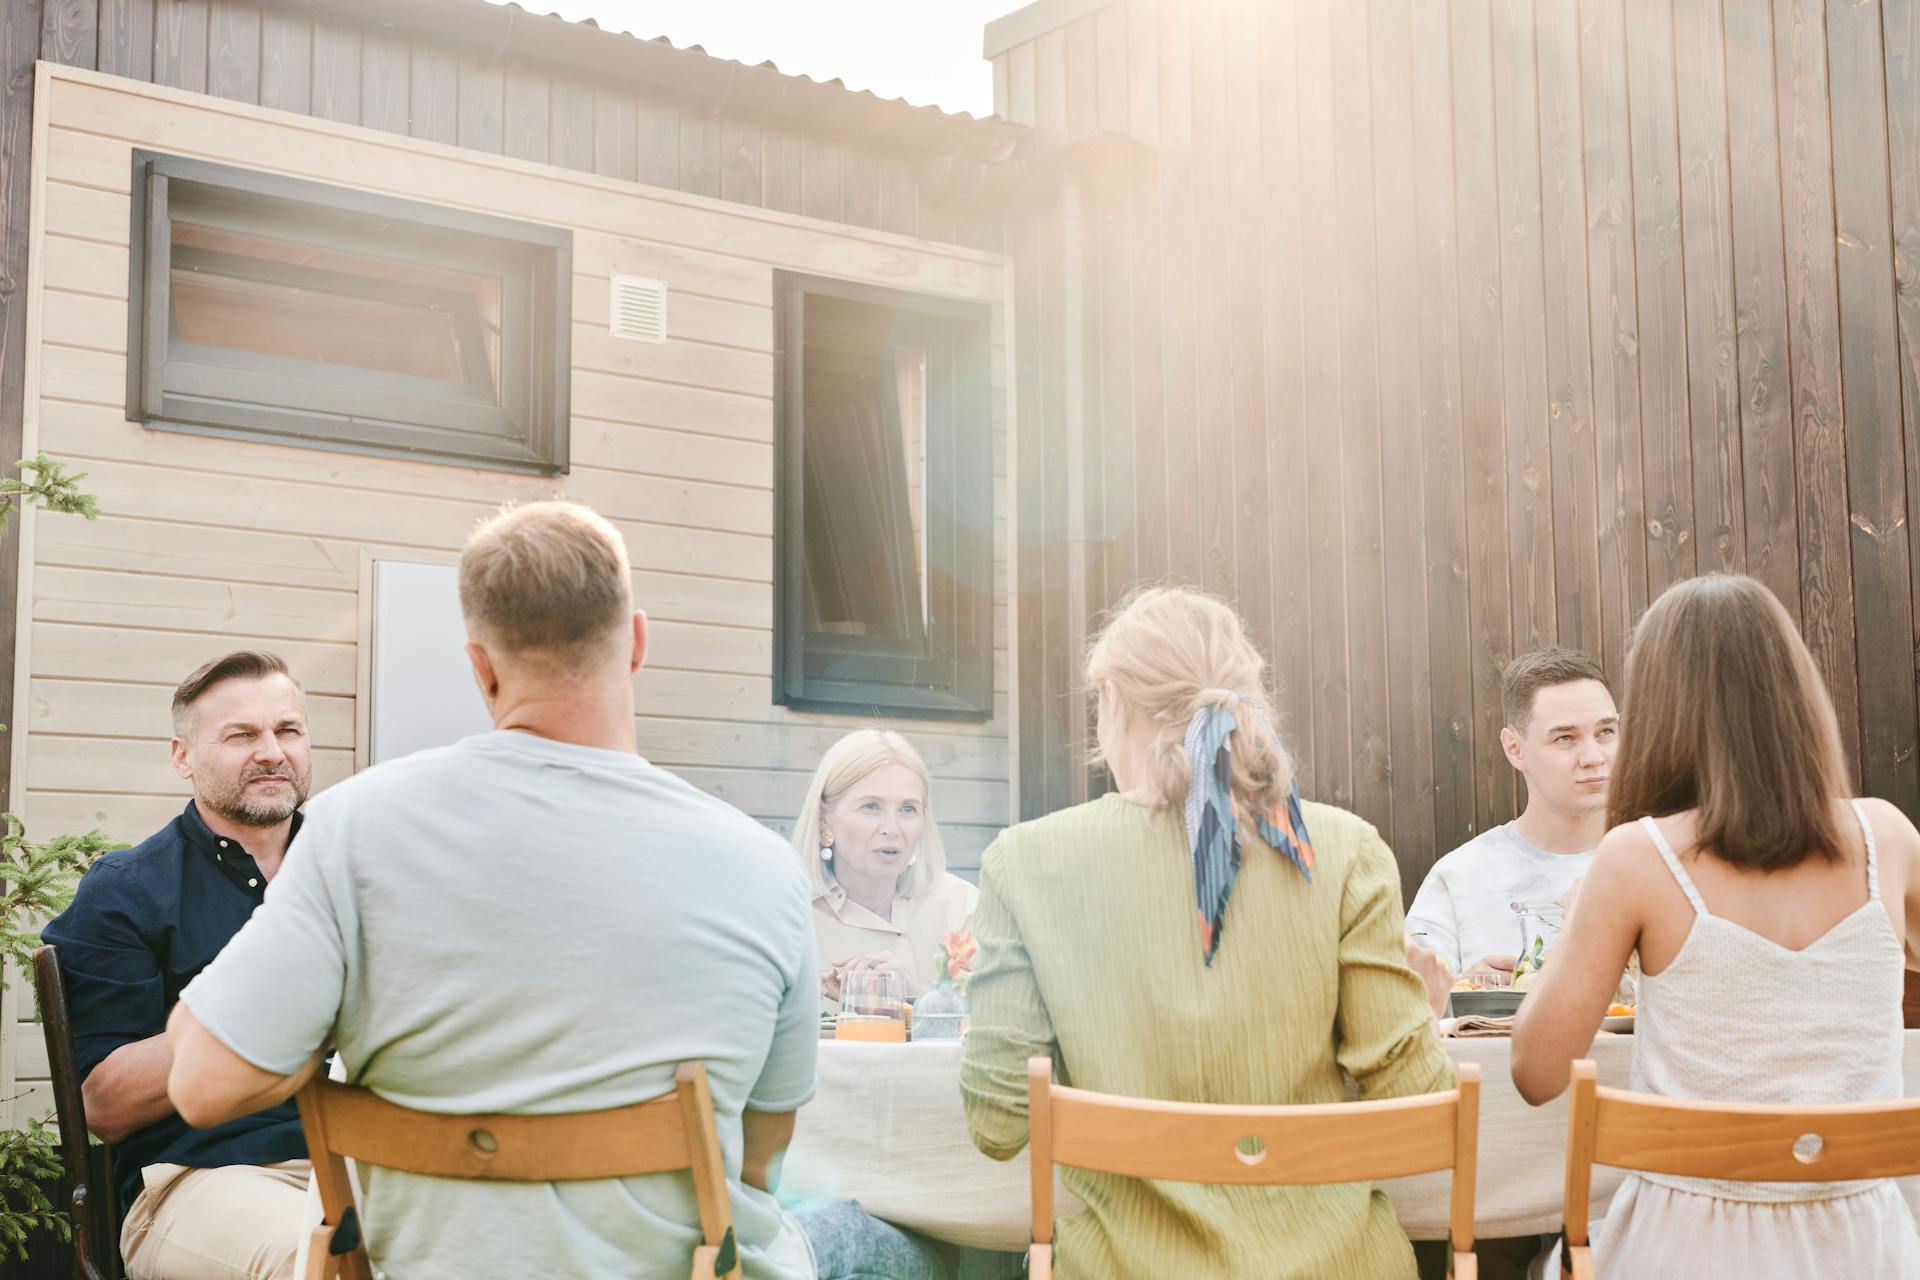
210, 1084
764, 1136
128, 1090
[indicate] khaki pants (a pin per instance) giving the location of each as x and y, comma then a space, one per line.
238, 1222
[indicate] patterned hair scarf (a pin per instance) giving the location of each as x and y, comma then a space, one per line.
1213, 827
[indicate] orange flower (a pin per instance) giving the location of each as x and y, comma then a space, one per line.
957, 950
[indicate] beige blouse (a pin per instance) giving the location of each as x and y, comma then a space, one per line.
842, 927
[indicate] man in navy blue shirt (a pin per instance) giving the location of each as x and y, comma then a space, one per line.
224, 1203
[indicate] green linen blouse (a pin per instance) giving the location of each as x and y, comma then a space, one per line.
1090, 953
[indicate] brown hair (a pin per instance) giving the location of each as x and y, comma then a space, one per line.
1541, 669
1725, 713
1168, 652
241, 664
547, 580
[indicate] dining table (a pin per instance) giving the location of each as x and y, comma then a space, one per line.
886, 1127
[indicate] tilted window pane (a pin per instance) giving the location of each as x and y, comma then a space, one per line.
248, 293
865, 481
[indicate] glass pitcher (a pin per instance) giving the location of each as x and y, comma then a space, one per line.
1540, 920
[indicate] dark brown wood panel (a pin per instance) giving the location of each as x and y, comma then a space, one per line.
1213, 407
614, 140
741, 161
433, 89
483, 96
286, 59
1476, 205
1870, 377
1902, 28
1408, 758
386, 82
1282, 332
336, 70
1180, 470
1613, 327
657, 145
1442, 445
1813, 346
1665, 438
1361, 512
20, 36
233, 50
526, 111
180, 44
1523, 337
699, 153
1706, 219
1240, 240
1569, 344
570, 124
1760, 294
1326, 551
68, 32
124, 30
860, 188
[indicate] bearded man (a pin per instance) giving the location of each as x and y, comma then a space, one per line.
224, 1203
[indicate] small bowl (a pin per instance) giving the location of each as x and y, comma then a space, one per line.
1486, 1004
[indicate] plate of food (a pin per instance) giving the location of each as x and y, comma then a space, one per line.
1619, 1019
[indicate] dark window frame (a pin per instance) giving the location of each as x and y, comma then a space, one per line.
947, 674
174, 385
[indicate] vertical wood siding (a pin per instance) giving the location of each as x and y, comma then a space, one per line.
1440, 331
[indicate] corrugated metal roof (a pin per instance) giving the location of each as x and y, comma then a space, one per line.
692, 74
768, 65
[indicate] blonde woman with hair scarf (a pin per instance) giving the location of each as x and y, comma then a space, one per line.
883, 898
1201, 935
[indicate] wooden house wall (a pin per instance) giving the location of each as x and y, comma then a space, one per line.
1442, 331
479, 78
208, 544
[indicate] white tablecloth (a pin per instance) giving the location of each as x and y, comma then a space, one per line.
886, 1128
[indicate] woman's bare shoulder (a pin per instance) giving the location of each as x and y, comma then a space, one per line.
1893, 831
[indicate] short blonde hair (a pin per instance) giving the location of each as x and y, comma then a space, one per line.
846, 762
1168, 652
547, 579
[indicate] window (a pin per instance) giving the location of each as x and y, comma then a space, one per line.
884, 574
277, 309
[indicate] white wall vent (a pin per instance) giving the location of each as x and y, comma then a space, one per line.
639, 309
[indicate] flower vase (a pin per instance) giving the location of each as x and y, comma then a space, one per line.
941, 1013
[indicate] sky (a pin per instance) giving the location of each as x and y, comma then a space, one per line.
926, 51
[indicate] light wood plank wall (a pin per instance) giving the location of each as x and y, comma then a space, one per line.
207, 544
1442, 331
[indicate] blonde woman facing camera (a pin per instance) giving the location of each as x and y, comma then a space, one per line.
882, 896
1199, 935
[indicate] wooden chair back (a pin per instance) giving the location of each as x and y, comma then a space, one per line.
1253, 1146
1743, 1141
662, 1135
91, 1204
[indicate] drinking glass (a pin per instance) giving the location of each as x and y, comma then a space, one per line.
869, 995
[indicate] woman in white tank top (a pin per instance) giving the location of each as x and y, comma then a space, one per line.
1771, 918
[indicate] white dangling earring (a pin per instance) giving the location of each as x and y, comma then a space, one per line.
915, 858
826, 850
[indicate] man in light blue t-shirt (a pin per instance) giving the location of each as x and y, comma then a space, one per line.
532, 920
1561, 732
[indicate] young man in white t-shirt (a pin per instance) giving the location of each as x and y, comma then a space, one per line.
1561, 732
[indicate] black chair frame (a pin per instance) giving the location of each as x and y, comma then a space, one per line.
93, 1203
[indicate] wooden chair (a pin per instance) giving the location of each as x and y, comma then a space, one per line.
92, 1204
1198, 1142
664, 1134
1744, 1141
